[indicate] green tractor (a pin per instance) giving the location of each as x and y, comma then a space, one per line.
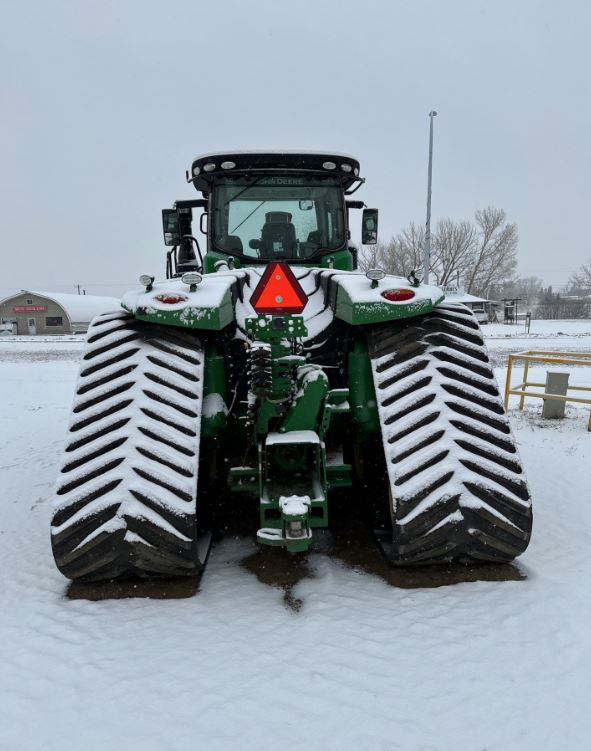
268, 372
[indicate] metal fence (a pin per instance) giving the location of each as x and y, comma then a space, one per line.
522, 389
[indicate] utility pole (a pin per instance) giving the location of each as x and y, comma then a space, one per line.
427, 245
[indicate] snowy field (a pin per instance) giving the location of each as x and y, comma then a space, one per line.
565, 336
539, 330
339, 659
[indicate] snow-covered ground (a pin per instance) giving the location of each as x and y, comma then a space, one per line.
539, 330
356, 663
35, 341
564, 336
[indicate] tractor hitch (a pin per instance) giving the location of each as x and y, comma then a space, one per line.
294, 534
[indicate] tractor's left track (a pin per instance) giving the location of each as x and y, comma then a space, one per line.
126, 499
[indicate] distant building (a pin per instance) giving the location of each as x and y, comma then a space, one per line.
29, 312
483, 309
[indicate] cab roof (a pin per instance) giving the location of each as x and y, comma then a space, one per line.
207, 167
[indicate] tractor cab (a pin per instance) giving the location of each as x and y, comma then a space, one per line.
265, 207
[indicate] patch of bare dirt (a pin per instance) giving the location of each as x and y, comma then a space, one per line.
155, 589
355, 546
278, 568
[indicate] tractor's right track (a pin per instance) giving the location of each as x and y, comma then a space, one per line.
457, 489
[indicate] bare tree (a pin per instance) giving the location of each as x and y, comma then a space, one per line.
481, 253
453, 249
409, 248
494, 256
401, 255
580, 281
528, 288
556, 306
369, 257
381, 256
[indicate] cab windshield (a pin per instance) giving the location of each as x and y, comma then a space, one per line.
275, 217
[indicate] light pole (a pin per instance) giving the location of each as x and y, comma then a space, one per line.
427, 245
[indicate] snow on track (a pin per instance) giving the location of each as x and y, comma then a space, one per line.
458, 488
498, 665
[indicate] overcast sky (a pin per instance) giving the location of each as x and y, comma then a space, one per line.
104, 104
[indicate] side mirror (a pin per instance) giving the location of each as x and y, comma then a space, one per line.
170, 227
369, 227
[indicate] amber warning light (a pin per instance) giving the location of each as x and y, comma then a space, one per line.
278, 291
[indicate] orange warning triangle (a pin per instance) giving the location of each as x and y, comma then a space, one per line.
278, 291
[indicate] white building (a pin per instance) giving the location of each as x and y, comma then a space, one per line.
482, 308
30, 312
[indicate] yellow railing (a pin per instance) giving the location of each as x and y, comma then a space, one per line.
553, 358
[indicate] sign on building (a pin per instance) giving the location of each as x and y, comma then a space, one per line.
29, 308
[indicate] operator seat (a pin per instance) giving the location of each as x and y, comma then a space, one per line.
278, 237
312, 244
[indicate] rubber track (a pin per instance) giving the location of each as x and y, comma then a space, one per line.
457, 486
126, 498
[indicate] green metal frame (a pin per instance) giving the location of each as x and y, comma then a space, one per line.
365, 313
192, 316
364, 407
292, 413
213, 424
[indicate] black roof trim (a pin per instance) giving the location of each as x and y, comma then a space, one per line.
250, 161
